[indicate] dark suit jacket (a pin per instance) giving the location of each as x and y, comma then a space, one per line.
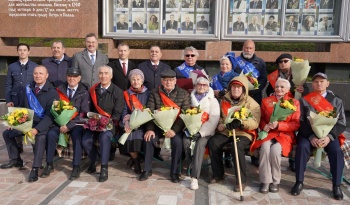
119, 79
293, 27
122, 26
185, 5
189, 27
328, 5
238, 26
135, 5
202, 24
272, 5
258, 6
152, 77
169, 26
251, 27
136, 26
153, 5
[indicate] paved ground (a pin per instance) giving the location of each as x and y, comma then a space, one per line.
124, 188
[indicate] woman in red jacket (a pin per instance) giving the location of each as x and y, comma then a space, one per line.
280, 138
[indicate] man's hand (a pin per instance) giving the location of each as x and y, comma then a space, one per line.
300, 89
273, 125
323, 142
314, 142
234, 124
34, 132
148, 135
196, 137
10, 104
170, 134
221, 127
64, 129
267, 128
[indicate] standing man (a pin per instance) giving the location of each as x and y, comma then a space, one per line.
78, 94
58, 64
40, 94
320, 100
191, 55
169, 94
89, 60
122, 67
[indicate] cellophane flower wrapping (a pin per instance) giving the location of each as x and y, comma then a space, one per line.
164, 118
20, 119
237, 112
300, 70
97, 122
193, 122
137, 118
321, 124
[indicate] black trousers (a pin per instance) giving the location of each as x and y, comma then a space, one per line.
216, 145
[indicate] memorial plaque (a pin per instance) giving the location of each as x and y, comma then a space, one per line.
48, 18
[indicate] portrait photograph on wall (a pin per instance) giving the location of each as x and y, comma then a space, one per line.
187, 25
239, 23
309, 25
325, 24
122, 22
202, 24
202, 5
138, 5
292, 24
121, 5
138, 22
272, 5
238, 5
254, 24
152, 5
187, 5
326, 5
255, 6
293, 5
172, 23
271, 26
152, 22
309, 6
172, 5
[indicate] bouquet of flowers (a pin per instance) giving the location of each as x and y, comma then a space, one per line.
322, 123
300, 69
164, 118
238, 112
137, 118
193, 121
282, 109
20, 119
62, 111
97, 122
253, 83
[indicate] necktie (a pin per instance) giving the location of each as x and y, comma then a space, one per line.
255, 4
186, 24
70, 93
92, 59
124, 69
37, 89
155, 67
57, 61
103, 90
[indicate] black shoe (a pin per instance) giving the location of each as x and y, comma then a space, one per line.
174, 178
158, 157
47, 171
20, 149
75, 173
255, 161
214, 179
130, 162
264, 188
337, 193
112, 153
137, 167
236, 187
33, 176
274, 188
144, 175
228, 163
103, 174
297, 188
92, 168
12, 163
292, 165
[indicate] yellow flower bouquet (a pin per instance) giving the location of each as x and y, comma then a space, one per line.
282, 109
62, 111
322, 123
20, 119
164, 118
238, 112
300, 69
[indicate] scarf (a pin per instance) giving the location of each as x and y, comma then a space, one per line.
225, 78
138, 90
199, 97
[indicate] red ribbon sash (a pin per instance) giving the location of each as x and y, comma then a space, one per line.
167, 102
320, 104
205, 117
272, 77
94, 100
132, 101
65, 98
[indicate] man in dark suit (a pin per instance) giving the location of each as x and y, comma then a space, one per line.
185, 4
326, 4
272, 4
238, 25
121, 24
153, 4
122, 67
171, 24
202, 24
89, 60
138, 4
255, 4
202, 4
291, 25
137, 25
42, 94
187, 24
254, 26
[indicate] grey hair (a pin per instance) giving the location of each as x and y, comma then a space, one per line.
110, 70
283, 80
58, 41
191, 48
202, 80
224, 58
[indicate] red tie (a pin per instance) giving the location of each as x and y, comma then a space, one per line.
124, 69
37, 89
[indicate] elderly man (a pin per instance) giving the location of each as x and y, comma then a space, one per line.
40, 95
202, 24
245, 131
78, 94
309, 23
58, 64
121, 24
108, 101
254, 26
89, 60
171, 24
320, 100
122, 67
169, 94
238, 25
187, 25
255, 4
137, 25
153, 4
190, 54
291, 25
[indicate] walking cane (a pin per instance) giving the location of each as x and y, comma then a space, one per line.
237, 165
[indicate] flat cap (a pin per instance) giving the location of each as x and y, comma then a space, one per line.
319, 74
168, 73
284, 55
73, 71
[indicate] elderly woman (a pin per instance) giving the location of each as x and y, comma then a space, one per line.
153, 23
202, 96
280, 138
135, 97
221, 80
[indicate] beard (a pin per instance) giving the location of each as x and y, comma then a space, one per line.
247, 55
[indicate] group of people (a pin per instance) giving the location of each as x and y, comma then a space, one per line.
115, 89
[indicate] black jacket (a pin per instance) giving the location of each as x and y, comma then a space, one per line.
152, 77
57, 72
119, 79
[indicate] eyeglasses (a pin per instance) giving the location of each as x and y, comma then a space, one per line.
188, 55
283, 61
168, 79
277, 86
202, 85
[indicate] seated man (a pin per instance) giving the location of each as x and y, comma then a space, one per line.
169, 94
317, 101
78, 94
40, 95
237, 95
